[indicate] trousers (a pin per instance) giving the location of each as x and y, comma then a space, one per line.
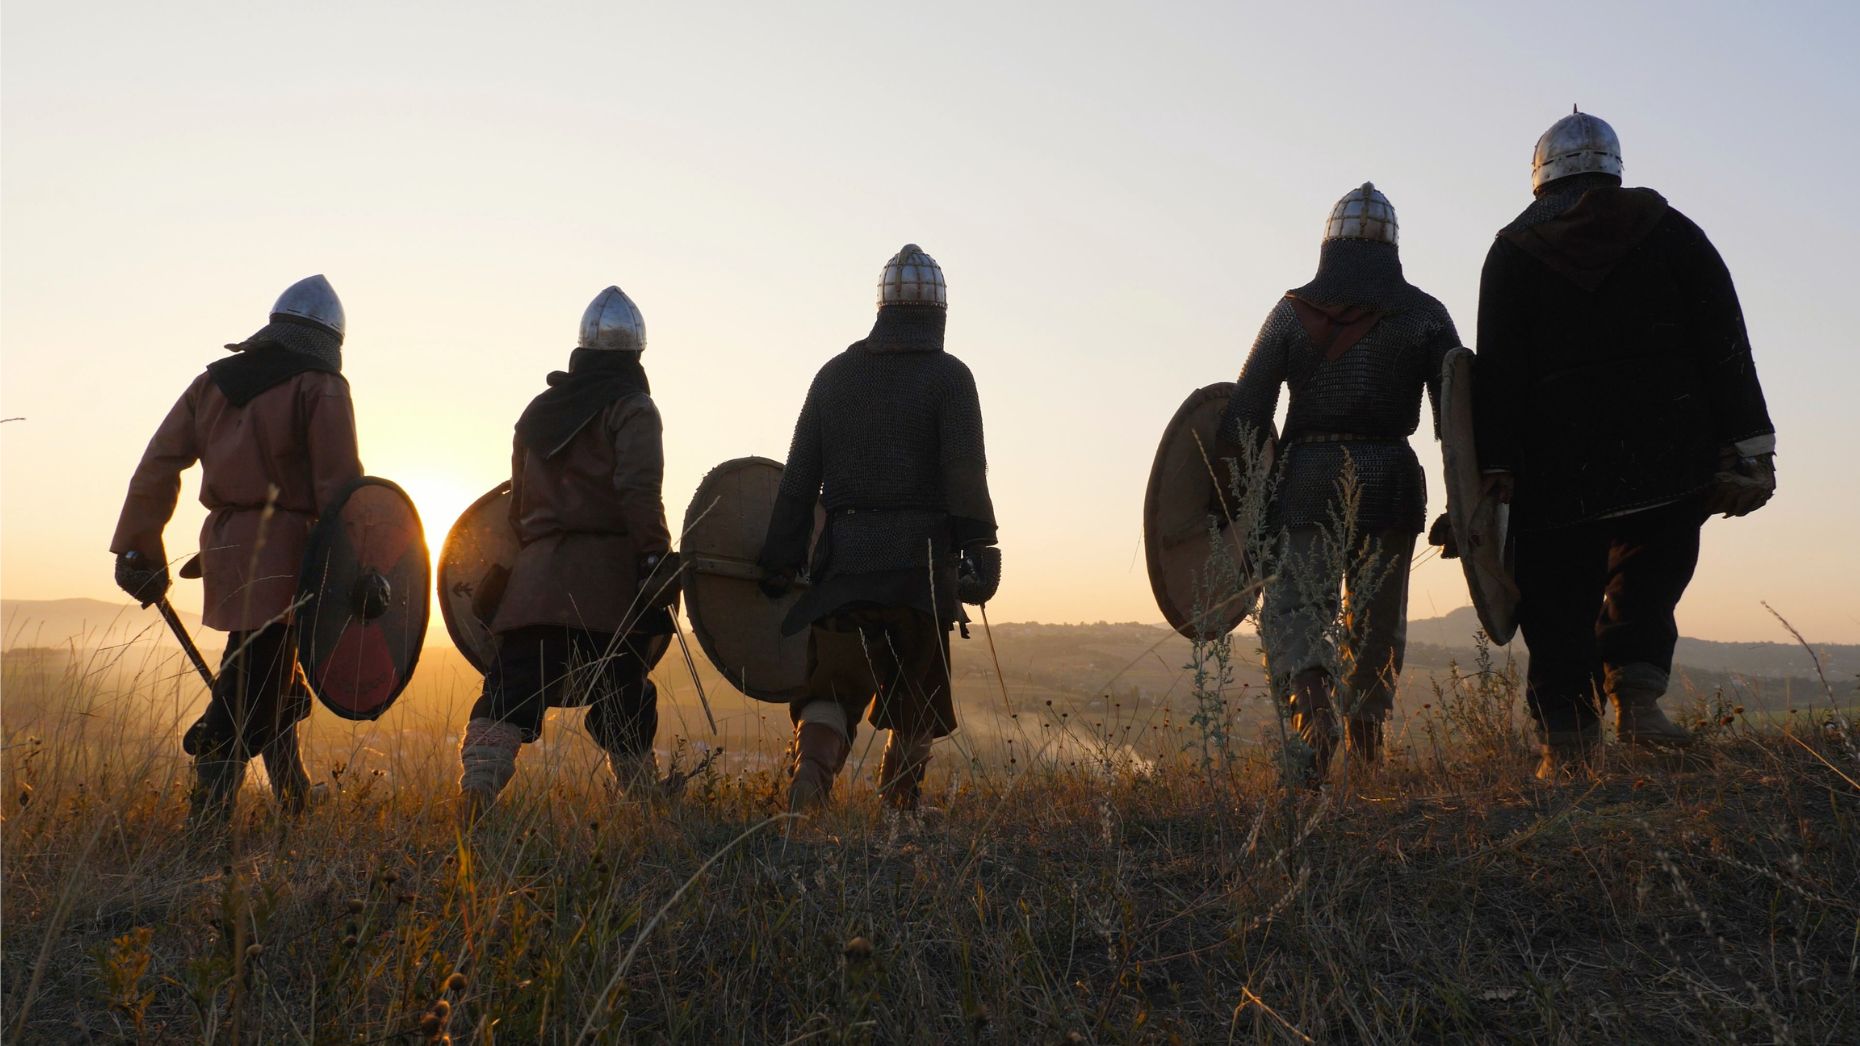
549, 666
1601, 595
1324, 608
255, 701
893, 659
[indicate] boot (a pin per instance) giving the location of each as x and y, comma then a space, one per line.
901, 770
1365, 735
1637, 689
1566, 754
217, 779
488, 757
284, 765
1315, 722
819, 752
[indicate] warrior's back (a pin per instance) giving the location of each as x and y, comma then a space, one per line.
884, 419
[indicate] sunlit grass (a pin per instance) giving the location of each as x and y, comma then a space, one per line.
1093, 880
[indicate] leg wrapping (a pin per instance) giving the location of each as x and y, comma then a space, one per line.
488, 756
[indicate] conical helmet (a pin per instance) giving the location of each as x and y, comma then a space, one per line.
912, 277
313, 299
613, 322
1576, 144
1362, 214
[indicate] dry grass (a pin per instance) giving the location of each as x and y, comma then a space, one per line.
1106, 885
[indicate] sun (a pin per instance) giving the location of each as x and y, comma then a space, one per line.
440, 497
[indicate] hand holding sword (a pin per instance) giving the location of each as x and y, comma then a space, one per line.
147, 582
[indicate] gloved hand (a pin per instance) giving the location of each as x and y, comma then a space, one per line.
1500, 485
1742, 485
146, 580
660, 577
776, 583
978, 575
1441, 533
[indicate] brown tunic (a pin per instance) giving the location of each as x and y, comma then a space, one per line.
585, 518
266, 470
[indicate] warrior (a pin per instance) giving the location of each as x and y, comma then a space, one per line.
889, 443
1356, 346
593, 581
1617, 407
273, 429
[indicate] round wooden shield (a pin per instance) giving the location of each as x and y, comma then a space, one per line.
475, 563
1481, 525
1197, 569
474, 567
737, 626
363, 600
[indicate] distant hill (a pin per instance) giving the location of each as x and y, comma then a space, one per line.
90, 623
1128, 661
1763, 660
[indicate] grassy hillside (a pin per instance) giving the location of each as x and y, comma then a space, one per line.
1067, 684
1101, 869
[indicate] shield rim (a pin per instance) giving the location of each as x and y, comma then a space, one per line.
692, 605
1500, 623
439, 574
327, 521
1152, 552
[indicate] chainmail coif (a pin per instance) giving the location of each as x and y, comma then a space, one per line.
1371, 394
1358, 272
281, 350
299, 336
1559, 196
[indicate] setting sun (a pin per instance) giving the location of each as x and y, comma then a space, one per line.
441, 496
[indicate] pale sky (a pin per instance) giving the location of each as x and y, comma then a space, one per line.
1117, 194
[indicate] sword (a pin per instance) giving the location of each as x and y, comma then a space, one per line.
187, 641
999, 678
691, 666
161, 604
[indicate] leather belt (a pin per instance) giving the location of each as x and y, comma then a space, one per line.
1343, 437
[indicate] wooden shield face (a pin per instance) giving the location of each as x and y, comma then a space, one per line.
738, 627
1198, 591
1481, 526
363, 600
474, 569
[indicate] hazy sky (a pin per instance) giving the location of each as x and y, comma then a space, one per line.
1117, 194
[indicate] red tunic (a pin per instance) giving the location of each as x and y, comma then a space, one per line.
267, 469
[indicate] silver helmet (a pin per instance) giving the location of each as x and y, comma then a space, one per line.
613, 322
1576, 144
912, 277
1362, 214
313, 299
